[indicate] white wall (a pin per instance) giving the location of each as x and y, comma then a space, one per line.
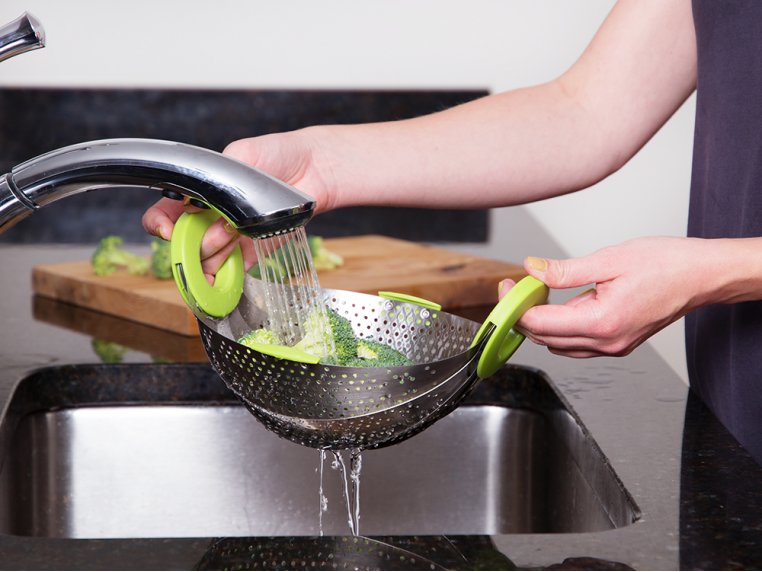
493, 44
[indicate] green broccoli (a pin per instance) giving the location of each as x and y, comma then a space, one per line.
330, 337
333, 342
108, 352
109, 256
161, 260
260, 336
279, 266
379, 354
322, 258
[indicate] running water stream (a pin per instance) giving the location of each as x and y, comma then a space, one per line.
350, 481
293, 295
291, 286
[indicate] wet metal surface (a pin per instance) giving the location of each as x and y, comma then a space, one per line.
210, 469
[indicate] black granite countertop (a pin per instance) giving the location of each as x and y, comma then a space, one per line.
697, 489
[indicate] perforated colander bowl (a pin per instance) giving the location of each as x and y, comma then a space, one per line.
336, 407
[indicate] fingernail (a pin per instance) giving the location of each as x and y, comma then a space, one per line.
186, 200
229, 228
504, 286
538, 264
160, 232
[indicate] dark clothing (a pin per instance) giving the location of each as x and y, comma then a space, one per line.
724, 342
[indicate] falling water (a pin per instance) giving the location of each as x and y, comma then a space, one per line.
355, 468
291, 287
322, 499
292, 294
351, 499
350, 483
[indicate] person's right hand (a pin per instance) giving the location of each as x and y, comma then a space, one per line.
292, 157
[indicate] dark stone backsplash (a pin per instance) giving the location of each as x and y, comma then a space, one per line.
34, 121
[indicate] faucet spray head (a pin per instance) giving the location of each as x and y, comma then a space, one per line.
255, 203
23, 34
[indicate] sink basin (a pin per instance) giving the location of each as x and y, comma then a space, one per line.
165, 451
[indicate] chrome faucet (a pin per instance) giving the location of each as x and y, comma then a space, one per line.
25, 33
255, 203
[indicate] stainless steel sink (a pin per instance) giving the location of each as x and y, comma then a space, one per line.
164, 451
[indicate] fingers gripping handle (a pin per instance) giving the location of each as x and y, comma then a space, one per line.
504, 340
218, 299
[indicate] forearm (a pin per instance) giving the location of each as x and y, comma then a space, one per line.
730, 271
509, 148
532, 143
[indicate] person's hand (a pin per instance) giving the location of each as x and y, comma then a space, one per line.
219, 241
640, 287
291, 157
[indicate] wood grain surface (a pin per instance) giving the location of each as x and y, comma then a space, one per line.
371, 263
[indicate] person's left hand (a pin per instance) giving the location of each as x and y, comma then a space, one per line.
640, 287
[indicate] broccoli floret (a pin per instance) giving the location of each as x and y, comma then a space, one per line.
161, 260
260, 336
279, 266
332, 340
109, 256
322, 258
108, 352
380, 354
330, 337
344, 340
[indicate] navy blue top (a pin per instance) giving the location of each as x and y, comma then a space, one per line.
724, 342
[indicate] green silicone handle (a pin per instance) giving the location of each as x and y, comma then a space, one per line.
285, 352
397, 297
218, 299
504, 340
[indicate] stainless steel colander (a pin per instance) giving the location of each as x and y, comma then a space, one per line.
336, 407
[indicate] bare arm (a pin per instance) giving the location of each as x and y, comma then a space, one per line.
526, 144
509, 148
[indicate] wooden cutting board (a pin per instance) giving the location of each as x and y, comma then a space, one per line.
371, 263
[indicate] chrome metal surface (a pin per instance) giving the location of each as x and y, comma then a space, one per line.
336, 407
212, 470
255, 203
23, 34
13, 206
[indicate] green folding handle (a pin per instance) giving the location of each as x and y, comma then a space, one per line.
504, 340
410, 299
285, 352
218, 299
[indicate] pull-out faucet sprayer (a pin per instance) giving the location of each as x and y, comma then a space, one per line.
254, 203
25, 33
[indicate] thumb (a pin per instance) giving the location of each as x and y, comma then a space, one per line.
568, 273
245, 150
